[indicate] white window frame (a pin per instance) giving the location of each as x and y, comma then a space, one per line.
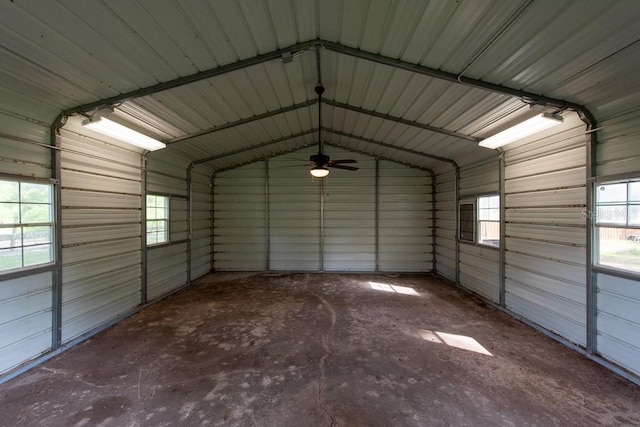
476, 237
481, 218
156, 213
25, 247
617, 215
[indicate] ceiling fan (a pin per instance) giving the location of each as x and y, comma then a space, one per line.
321, 161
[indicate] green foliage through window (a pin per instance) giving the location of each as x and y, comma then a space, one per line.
26, 224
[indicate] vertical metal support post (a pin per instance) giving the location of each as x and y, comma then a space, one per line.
321, 224
433, 221
591, 283
189, 220
503, 231
56, 303
143, 230
267, 214
457, 217
377, 215
213, 222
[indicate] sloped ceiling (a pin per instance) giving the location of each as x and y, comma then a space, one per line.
229, 82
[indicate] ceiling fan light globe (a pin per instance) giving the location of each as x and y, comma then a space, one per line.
319, 172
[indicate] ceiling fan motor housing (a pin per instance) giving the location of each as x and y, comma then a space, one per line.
319, 159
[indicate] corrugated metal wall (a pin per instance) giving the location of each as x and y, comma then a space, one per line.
201, 222
167, 264
546, 230
239, 219
298, 211
101, 231
446, 225
25, 301
480, 265
405, 207
618, 298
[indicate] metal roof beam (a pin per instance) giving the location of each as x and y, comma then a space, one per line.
393, 147
243, 121
259, 159
401, 120
181, 81
253, 147
455, 78
388, 159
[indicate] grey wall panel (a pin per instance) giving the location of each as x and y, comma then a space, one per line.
201, 225
545, 230
294, 214
166, 269
405, 209
617, 149
619, 321
349, 215
101, 272
446, 225
480, 265
25, 319
618, 299
239, 207
25, 302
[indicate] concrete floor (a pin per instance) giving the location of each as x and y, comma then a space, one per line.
319, 350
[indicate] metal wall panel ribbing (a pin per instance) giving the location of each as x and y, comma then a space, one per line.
545, 229
618, 301
239, 209
26, 300
167, 264
294, 214
349, 215
101, 232
404, 218
617, 298
201, 222
480, 265
446, 225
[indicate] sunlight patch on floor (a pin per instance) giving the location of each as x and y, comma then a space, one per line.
405, 290
458, 341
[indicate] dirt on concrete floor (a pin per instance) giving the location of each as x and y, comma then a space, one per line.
319, 350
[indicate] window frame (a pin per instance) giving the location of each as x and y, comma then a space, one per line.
480, 220
599, 224
166, 219
461, 236
21, 224
477, 226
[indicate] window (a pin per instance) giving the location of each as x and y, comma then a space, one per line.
26, 224
489, 220
467, 221
618, 225
481, 225
157, 219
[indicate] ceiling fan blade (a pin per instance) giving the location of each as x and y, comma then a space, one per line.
348, 168
343, 161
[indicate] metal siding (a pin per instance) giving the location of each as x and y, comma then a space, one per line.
166, 269
479, 265
446, 225
239, 241
25, 302
617, 149
202, 222
25, 319
101, 272
294, 213
404, 219
545, 276
349, 215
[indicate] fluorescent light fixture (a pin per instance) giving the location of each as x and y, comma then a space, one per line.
319, 172
528, 127
123, 133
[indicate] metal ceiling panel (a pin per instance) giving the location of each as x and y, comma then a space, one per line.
59, 54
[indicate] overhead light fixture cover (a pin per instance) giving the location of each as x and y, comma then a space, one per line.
116, 130
319, 171
521, 130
